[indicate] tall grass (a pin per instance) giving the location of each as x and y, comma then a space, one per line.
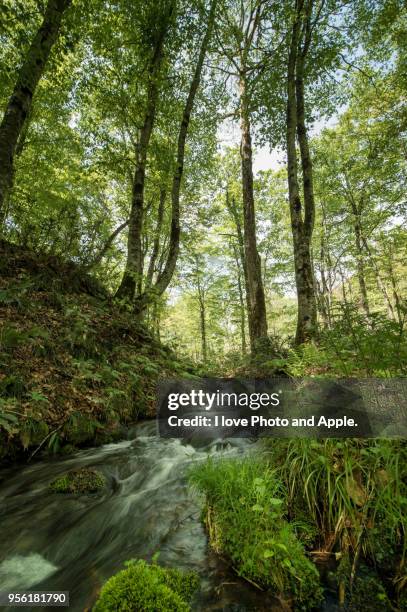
349, 488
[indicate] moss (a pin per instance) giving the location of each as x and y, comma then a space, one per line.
402, 600
67, 449
146, 587
84, 480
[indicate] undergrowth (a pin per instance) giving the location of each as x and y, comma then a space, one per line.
245, 516
75, 367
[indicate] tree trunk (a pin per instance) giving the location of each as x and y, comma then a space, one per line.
20, 102
241, 301
231, 206
132, 277
364, 302
202, 318
164, 278
255, 291
396, 296
326, 272
379, 281
301, 224
98, 258
156, 243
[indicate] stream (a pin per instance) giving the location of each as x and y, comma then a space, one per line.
74, 543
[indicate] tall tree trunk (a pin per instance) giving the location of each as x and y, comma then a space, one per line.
393, 281
379, 281
301, 223
202, 318
360, 260
156, 242
20, 102
164, 278
132, 277
326, 272
257, 304
241, 300
324, 289
231, 206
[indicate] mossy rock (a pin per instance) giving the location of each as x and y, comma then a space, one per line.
146, 587
84, 480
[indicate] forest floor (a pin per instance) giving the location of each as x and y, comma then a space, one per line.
75, 368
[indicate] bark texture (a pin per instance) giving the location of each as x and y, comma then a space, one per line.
20, 103
242, 311
157, 234
255, 291
302, 215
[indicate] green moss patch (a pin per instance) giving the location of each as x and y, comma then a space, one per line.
84, 480
146, 587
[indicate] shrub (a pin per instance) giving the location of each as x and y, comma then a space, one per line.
245, 504
144, 587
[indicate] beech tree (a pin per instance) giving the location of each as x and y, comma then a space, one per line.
158, 31
19, 105
302, 213
241, 44
166, 274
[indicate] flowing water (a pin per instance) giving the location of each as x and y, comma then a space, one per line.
56, 542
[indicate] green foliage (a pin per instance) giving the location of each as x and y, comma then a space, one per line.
354, 489
32, 432
8, 416
74, 370
83, 480
12, 386
80, 427
246, 503
353, 347
367, 593
146, 587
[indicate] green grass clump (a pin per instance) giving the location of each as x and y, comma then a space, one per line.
84, 480
144, 587
246, 505
354, 489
